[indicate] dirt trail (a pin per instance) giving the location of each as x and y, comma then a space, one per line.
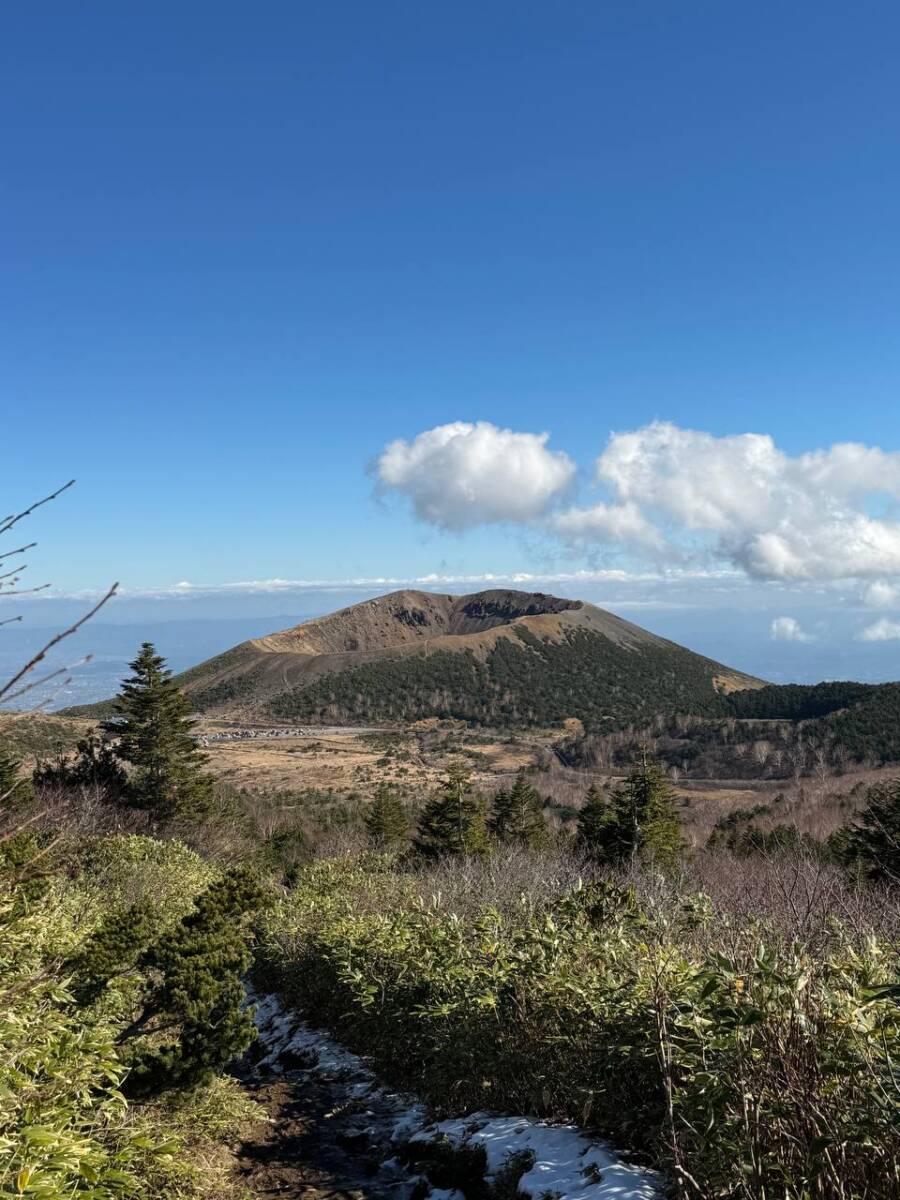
310, 1150
329, 1132
335, 1133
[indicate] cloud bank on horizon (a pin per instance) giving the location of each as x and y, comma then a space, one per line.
673, 493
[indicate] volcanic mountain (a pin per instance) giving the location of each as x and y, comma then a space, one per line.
493, 658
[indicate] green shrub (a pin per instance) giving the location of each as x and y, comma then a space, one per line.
66, 1129
744, 1062
14, 790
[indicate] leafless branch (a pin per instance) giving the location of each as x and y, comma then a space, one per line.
18, 550
27, 591
7, 522
29, 687
55, 640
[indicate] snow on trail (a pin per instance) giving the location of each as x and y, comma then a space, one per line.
567, 1164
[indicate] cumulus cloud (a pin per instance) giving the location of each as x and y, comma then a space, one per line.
788, 629
777, 516
461, 475
738, 500
609, 522
881, 594
881, 631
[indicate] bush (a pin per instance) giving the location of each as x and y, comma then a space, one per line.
65, 1126
728, 1055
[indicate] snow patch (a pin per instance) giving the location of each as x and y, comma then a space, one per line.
567, 1164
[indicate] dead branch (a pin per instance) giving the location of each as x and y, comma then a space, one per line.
55, 640
6, 523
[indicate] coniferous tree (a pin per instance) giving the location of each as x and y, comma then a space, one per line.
385, 819
196, 994
873, 842
642, 824
592, 821
112, 950
155, 736
499, 808
14, 790
517, 816
452, 821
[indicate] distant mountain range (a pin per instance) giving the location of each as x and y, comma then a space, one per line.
496, 658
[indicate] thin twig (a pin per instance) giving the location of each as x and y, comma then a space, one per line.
29, 687
8, 522
55, 640
27, 591
18, 550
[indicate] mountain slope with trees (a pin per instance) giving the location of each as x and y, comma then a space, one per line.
499, 658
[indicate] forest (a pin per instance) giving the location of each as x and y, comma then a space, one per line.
534, 683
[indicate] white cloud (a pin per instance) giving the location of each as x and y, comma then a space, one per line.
608, 522
780, 517
739, 500
881, 594
881, 631
788, 629
461, 475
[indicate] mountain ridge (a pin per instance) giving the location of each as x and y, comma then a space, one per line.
356, 663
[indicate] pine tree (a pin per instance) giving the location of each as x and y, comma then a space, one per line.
592, 821
517, 816
642, 823
452, 822
112, 950
155, 736
14, 790
386, 817
873, 842
198, 992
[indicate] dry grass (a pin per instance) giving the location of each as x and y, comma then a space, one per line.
351, 761
794, 896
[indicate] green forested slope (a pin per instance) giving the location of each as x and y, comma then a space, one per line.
523, 682
862, 719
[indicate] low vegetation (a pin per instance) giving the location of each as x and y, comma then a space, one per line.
78, 927
749, 1058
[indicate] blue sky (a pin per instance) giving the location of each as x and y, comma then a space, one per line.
245, 248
